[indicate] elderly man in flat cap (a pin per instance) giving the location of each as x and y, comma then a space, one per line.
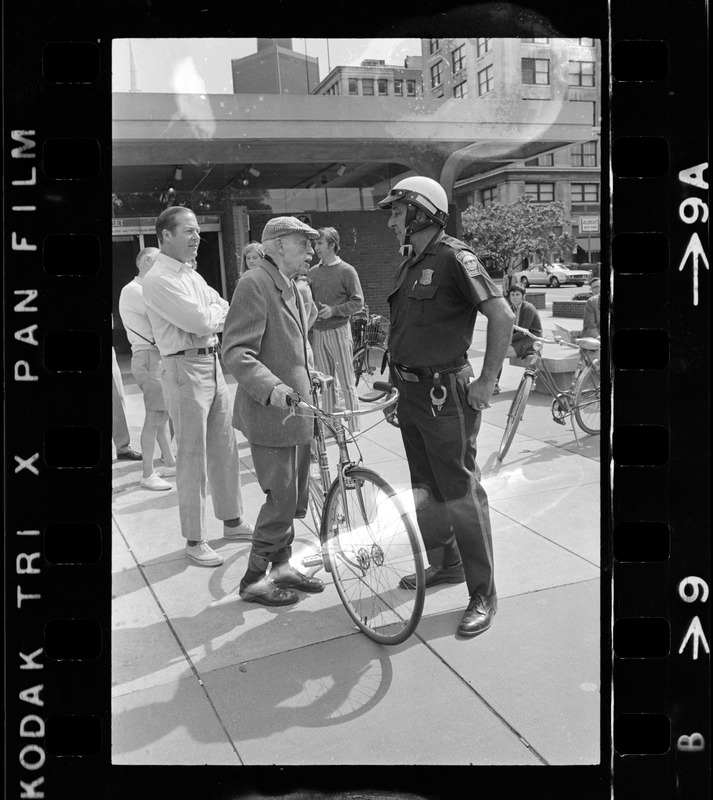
265, 347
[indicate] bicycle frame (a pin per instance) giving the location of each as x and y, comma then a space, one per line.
562, 405
342, 436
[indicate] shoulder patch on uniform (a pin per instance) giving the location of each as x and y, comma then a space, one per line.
470, 263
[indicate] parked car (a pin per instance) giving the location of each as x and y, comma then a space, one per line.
553, 275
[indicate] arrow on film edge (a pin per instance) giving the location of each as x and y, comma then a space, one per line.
695, 248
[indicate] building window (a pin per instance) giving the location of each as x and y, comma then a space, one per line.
536, 71
489, 196
485, 80
353, 86
544, 40
398, 88
367, 86
461, 90
540, 192
382, 87
584, 155
434, 45
483, 47
411, 88
458, 59
545, 160
436, 74
581, 73
585, 192
586, 42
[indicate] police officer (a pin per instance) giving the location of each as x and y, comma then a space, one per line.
438, 292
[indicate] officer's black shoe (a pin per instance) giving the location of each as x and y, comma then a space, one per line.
435, 575
479, 615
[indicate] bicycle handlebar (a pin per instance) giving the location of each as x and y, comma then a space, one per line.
295, 399
556, 340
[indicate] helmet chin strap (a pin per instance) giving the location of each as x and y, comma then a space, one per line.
412, 227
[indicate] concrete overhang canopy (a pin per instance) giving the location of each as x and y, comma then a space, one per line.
438, 139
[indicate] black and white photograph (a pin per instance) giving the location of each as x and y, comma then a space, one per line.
356, 486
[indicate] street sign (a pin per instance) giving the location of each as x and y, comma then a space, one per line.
589, 224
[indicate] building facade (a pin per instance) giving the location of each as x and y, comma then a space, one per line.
375, 78
275, 69
549, 70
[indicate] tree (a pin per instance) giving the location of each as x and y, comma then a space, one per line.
508, 233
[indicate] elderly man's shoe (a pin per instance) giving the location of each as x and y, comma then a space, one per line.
292, 579
266, 593
436, 575
479, 615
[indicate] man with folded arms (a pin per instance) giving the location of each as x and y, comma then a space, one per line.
265, 347
185, 316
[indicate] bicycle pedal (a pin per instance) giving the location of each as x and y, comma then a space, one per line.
559, 420
314, 560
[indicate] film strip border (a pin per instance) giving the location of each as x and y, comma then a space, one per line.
659, 316
57, 168
58, 523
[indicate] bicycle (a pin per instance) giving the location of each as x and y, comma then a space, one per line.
367, 540
581, 401
369, 360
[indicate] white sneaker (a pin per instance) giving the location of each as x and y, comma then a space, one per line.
167, 472
203, 555
155, 483
243, 531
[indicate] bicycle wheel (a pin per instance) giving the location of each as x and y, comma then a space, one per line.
370, 546
517, 409
367, 363
587, 400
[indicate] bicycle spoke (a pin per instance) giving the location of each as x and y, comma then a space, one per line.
371, 554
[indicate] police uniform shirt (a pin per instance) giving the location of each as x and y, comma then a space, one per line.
434, 304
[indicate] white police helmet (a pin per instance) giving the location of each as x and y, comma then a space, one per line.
423, 193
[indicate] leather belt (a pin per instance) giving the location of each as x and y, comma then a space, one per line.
418, 373
197, 351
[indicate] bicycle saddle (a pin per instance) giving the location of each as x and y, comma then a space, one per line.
588, 343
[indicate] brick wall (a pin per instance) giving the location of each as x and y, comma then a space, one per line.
537, 299
366, 243
573, 309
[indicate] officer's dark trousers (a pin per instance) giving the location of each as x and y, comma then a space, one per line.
452, 508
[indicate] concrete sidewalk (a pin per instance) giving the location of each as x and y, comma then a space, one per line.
200, 677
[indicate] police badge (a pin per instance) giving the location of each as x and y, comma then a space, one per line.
426, 277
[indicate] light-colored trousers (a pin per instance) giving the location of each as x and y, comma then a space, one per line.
333, 356
119, 428
207, 451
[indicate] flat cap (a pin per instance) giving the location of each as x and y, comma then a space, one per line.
283, 226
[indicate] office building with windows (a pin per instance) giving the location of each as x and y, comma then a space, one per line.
557, 71
375, 78
275, 69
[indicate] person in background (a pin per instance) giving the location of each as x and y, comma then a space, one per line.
265, 349
590, 324
251, 257
439, 290
185, 316
510, 279
338, 294
146, 367
526, 320
119, 427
